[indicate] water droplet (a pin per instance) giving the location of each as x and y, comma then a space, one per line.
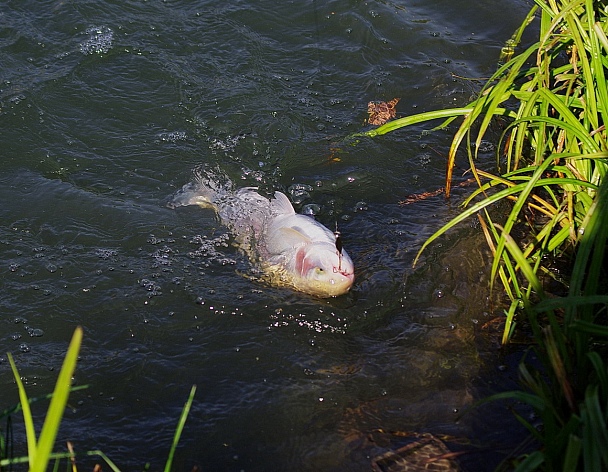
360, 206
35, 332
23, 347
299, 192
311, 209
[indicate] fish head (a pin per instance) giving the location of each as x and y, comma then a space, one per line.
323, 270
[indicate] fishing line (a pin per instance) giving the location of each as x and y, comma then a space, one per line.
337, 234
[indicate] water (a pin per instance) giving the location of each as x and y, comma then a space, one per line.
106, 109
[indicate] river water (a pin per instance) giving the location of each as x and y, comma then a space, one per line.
107, 108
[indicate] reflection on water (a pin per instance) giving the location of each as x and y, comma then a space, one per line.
106, 110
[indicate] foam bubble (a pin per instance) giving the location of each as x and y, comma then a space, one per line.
99, 41
172, 136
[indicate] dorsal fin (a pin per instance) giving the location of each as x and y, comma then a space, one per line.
281, 205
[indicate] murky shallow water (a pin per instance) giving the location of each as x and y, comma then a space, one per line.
105, 110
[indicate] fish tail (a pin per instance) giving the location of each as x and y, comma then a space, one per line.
190, 194
203, 191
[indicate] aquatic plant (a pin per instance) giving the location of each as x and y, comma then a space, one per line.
551, 100
40, 450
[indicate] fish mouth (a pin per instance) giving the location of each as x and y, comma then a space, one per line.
333, 287
339, 285
345, 273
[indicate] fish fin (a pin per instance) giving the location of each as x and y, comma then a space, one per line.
293, 236
205, 190
192, 194
281, 205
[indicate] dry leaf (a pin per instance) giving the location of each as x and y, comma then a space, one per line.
381, 112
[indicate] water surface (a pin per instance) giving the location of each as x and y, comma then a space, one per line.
106, 108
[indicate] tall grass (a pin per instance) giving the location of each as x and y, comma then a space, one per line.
569, 391
552, 154
552, 158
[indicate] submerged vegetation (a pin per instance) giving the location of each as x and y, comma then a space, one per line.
552, 158
40, 450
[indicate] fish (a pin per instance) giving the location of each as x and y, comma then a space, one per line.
291, 249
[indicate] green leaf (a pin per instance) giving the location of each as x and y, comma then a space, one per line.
532, 462
573, 453
30, 431
57, 406
180, 427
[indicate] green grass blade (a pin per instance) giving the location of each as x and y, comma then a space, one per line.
30, 431
532, 462
571, 302
588, 327
573, 454
601, 372
415, 119
17, 408
519, 189
180, 427
57, 406
594, 235
99, 453
597, 433
509, 322
516, 212
522, 262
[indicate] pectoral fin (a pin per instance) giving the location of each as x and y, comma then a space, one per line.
293, 236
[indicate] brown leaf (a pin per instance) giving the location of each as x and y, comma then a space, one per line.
381, 112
